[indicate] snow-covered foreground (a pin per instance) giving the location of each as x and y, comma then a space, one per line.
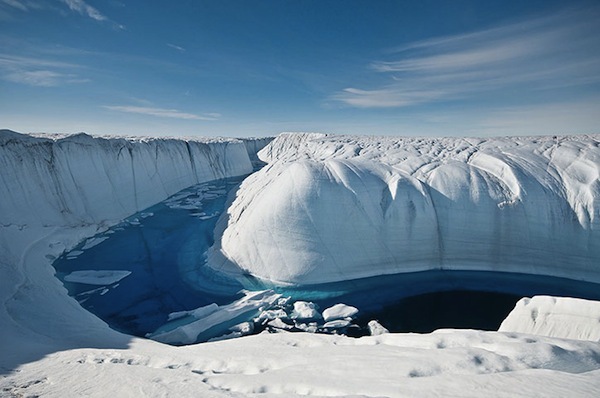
446, 363
50, 346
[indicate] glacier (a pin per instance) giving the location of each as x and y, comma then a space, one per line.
60, 192
79, 179
330, 208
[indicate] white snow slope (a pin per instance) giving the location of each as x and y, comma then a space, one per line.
564, 317
330, 208
51, 347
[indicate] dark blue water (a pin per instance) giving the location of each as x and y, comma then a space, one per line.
164, 247
430, 300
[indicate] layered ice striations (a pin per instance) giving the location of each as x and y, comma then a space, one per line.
79, 179
331, 208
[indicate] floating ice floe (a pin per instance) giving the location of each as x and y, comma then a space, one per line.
339, 311
93, 277
93, 242
210, 322
74, 254
305, 310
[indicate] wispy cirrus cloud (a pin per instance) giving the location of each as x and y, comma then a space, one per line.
23, 5
176, 47
43, 78
162, 112
562, 49
20, 5
83, 8
10, 8
7, 7
39, 71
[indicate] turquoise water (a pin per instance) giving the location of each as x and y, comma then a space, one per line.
164, 247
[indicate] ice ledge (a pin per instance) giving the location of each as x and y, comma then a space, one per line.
561, 317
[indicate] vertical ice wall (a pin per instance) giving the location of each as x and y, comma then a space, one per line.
329, 208
81, 179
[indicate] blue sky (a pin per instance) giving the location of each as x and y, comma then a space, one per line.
256, 68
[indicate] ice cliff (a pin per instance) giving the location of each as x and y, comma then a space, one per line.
79, 179
329, 208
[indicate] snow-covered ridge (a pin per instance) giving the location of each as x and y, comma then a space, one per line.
562, 317
80, 179
330, 208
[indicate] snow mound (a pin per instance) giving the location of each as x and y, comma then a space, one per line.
562, 317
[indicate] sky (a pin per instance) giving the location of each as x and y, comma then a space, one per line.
258, 68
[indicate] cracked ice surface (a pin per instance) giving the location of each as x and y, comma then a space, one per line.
330, 208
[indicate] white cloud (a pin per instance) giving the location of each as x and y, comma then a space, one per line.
38, 71
160, 112
20, 62
386, 97
178, 48
83, 8
16, 4
42, 78
23, 5
560, 50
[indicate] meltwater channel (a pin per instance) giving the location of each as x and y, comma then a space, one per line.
154, 264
